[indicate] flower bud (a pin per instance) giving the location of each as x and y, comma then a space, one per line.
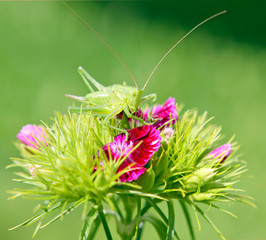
32, 135
146, 180
33, 169
202, 196
198, 178
221, 152
166, 134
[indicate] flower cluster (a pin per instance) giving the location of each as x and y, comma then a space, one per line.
160, 156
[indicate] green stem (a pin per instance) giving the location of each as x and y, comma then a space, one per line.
160, 212
141, 224
104, 222
140, 229
186, 213
171, 220
137, 218
86, 228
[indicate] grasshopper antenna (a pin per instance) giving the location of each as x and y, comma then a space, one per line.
100, 38
179, 41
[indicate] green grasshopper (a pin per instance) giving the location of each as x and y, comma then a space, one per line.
112, 100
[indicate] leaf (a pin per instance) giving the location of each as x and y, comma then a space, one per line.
131, 192
203, 214
87, 223
157, 224
188, 219
94, 228
70, 209
36, 217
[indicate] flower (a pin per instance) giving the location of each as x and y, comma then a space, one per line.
33, 169
221, 152
32, 135
144, 140
163, 114
166, 134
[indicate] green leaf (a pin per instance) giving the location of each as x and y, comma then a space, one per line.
160, 212
67, 211
37, 216
203, 214
94, 228
157, 224
87, 223
188, 219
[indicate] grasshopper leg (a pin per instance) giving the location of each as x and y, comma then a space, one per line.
87, 77
110, 116
130, 115
100, 110
152, 96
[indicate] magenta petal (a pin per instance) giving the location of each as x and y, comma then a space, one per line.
163, 115
118, 148
150, 143
144, 140
133, 173
31, 134
138, 133
221, 152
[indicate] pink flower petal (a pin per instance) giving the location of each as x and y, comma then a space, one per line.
133, 173
30, 135
221, 152
146, 138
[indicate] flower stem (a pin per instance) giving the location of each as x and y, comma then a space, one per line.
171, 220
186, 213
104, 222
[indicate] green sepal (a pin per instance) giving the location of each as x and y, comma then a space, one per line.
146, 180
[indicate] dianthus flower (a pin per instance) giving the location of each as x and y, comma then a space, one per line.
221, 152
163, 114
138, 148
32, 135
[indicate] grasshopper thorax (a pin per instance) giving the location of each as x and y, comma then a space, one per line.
129, 95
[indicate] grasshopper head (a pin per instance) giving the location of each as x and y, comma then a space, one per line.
133, 98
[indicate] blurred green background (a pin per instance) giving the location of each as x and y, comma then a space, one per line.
220, 68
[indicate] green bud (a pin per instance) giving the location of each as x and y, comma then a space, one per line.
202, 196
161, 165
146, 180
198, 178
101, 182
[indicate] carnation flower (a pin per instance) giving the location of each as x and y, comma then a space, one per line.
148, 140
163, 114
221, 152
32, 135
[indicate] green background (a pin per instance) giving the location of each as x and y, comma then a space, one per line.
219, 68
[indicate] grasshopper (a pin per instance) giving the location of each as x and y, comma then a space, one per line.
112, 100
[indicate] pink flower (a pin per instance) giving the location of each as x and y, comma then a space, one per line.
221, 152
32, 135
148, 140
163, 114
167, 133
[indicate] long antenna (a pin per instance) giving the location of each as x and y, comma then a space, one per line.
99, 37
180, 40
